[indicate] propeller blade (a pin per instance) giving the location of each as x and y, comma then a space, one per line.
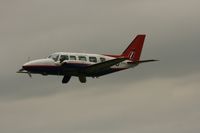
21, 70
29, 74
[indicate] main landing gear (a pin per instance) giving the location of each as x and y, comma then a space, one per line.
82, 79
67, 78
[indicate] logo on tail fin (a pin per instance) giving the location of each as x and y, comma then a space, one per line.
132, 54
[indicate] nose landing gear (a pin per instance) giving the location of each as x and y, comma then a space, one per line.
66, 79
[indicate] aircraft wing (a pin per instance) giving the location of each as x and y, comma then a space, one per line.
102, 66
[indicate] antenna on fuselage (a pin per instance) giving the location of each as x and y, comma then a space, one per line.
29, 58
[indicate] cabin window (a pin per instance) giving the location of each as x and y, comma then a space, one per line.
72, 57
93, 59
102, 59
63, 58
82, 58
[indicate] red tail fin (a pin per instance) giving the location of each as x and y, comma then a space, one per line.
134, 50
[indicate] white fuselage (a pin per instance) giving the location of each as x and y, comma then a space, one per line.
52, 64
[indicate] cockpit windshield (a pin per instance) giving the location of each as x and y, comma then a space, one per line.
54, 57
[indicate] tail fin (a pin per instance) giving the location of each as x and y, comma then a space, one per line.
134, 50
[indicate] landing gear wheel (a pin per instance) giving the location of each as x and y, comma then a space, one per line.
66, 79
82, 79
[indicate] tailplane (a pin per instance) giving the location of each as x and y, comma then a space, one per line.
133, 51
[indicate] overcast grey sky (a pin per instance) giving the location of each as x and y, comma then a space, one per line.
152, 98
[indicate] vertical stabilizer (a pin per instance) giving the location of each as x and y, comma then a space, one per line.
133, 51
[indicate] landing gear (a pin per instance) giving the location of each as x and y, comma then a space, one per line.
66, 79
82, 79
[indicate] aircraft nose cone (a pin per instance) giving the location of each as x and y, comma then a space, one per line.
37, 63
24, 68
25, 65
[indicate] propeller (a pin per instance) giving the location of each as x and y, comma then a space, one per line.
29, 74
22, 70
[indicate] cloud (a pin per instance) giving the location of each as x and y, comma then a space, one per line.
154, 105
38, 28
154, 97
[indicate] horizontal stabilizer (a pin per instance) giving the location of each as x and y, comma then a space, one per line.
142, 61
145, 61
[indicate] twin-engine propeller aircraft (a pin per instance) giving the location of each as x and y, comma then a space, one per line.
84, 65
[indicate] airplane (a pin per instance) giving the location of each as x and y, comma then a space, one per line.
84, 65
